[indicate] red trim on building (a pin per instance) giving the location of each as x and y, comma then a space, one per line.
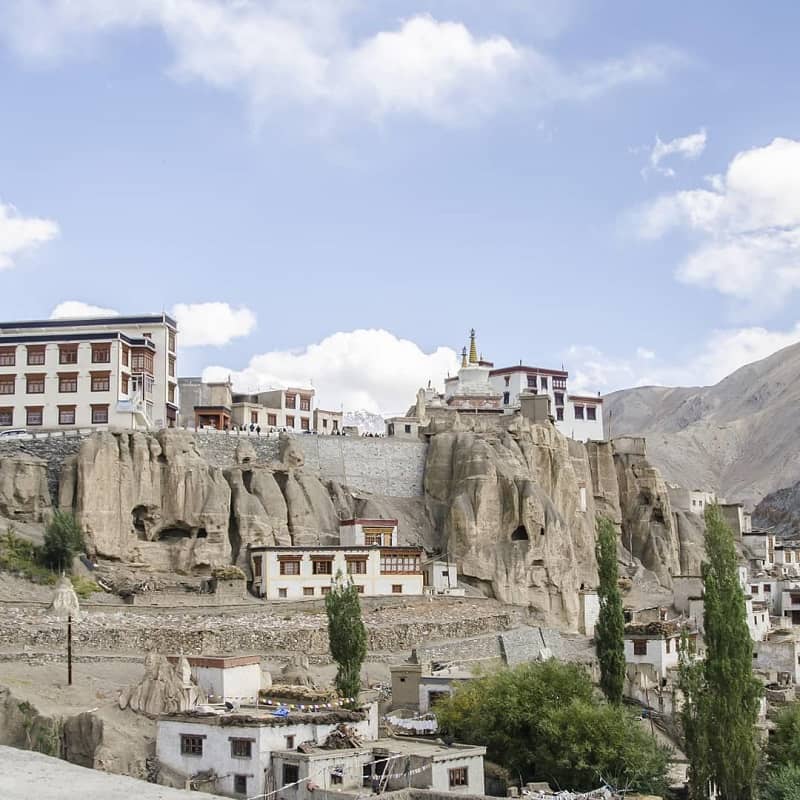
509, 370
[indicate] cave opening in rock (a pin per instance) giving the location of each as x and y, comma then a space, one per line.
137, 516
520, 534
174, 534
247, 480
202, 533
541, 531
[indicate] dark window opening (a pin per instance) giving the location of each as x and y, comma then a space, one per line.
520, 534
291, 774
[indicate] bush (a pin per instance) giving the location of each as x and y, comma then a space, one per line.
23, 557
63, 540
84, 587
781, 783
783, 748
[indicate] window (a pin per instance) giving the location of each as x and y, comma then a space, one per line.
67, 382
6, 417
305, 404
324, 423
356, 566
101, 353
257, 561
290, 742
543, 382
373, 539
68, 354
407, 428
289, 421
337, 775
506, 398
101, 381
36, 356
290, 567
560, 414
359, 588
291, 774
240, 784
308, 591
99, 415
7, 384
458, 776
191, 745
34, 384
669, 645
126, 384
170, 393
171, 366
532, 381
147, 335
578, 412
754, 589
325, 590
304, 424
66, 415
291, 401
126, 352
767, 588
241, 748
272, 419
282, 593
254, 417
399, 563
171, 340
322, 566
508, 380
336, 424
640, 647
591, 412
559, 398
8, 356
397, 588
33, 415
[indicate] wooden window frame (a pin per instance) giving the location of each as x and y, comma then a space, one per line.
577, 412
397, 588
640, 647
359, 588
35, 350
591, 413
293, 404
67, 410
239, 779
192, 744
69, 378
32, 380
294, 562
305, 403
100, 408
171, 341
8, 356
126, 355
171, 366
458, 776
7, 411
308, 591
282, 593
102, 378
305, 424
8, 382
35, 410
241, 747
65, 352
272, 420
321, 566
101, 354
290, 774
290, 420
356, 566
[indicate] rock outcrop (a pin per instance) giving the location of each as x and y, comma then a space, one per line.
24, 494
163, 689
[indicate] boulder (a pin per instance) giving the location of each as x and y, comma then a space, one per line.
24, 494
163, 689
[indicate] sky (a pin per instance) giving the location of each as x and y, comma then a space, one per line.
334, 192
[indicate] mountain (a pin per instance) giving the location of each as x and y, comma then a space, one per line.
739, 437
780, 511
365, 421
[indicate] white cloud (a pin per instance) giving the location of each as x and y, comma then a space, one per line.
199, 324
372, 370
723, 352
298, 52
75, 308
19, 234
687, 147
746, 227
213, 324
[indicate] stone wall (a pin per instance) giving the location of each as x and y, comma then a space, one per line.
393, 468
381, 466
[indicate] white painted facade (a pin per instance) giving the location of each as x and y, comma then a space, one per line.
660, 652
589, 611
297, 573
368, 532
441, 577
219, 752
402, 427
89, 373
234, 678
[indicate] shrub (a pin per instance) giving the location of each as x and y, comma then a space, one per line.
63, 540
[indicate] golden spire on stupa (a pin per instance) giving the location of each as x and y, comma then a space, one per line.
464, 357
473, 348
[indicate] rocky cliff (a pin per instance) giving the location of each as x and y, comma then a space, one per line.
513, 503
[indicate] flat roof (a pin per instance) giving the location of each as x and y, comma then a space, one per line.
68, 322
263, 716
360, 521
556, 373
10, 338
220, 662
400, 746
315, 547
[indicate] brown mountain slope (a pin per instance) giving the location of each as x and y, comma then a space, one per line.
740, 437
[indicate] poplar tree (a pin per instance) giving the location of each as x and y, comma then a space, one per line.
347, 635
609, 631
721, 695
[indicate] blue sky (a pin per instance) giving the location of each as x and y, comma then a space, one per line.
286, 173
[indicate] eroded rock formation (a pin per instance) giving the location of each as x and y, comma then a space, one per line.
23, 489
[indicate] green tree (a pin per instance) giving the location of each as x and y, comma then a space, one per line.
347, 635
783, 747
609, 631
63, 540
782, 783
721, 694
543, 721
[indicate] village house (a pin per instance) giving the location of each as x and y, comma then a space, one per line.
417, 685
63, 374
227, 678
441, 578
656, 644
